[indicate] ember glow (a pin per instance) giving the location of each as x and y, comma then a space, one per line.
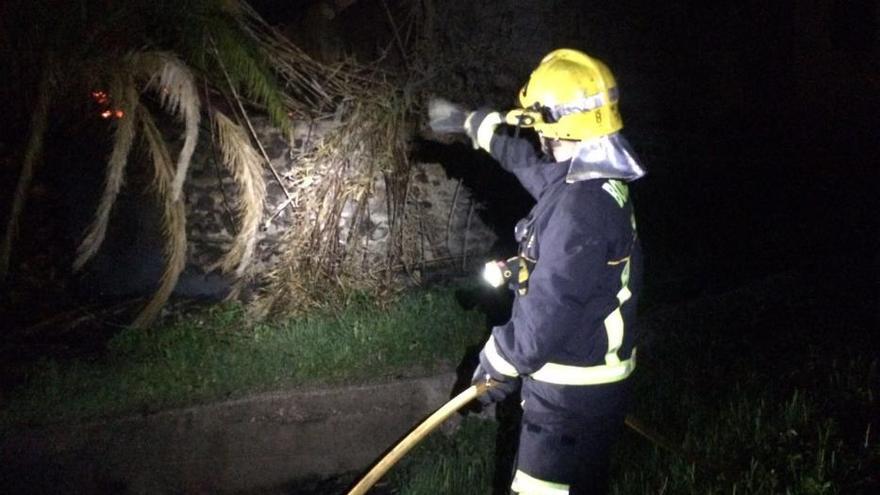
106, 110
100, 97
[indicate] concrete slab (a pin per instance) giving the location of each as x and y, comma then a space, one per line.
263, 440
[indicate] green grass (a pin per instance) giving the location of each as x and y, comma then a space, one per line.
764, 389
756, 442
460, 464
746, 445
217, 354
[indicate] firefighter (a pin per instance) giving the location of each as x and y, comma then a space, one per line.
570, 340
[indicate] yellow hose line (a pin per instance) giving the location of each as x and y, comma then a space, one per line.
448, 409
416, 435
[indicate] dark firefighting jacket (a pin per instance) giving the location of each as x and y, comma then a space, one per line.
570, 336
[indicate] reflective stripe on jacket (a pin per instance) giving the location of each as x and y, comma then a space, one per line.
570, 335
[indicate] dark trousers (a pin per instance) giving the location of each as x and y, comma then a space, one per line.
567, 452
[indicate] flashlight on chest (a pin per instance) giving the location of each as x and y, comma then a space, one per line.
510, 271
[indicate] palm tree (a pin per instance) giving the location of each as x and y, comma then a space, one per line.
136, 58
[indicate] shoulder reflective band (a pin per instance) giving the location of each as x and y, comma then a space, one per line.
618, 190
487, 129
563, 374
527, 485
500, 364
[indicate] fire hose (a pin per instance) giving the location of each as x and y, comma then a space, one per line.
450, 408
420, 432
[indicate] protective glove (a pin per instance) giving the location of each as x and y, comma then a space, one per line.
445, 117
505, 385
480, 127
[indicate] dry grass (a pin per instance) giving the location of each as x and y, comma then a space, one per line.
310, 87
325, 255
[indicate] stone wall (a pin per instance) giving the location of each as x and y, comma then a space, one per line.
442, 227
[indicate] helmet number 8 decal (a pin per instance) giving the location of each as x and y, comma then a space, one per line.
598, 115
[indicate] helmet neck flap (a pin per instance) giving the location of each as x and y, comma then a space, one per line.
606, 157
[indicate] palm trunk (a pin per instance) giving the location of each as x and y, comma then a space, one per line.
32, 154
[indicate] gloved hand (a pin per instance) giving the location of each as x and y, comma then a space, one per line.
504, 385
445, 117
480, 126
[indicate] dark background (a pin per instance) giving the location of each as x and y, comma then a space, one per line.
757, 123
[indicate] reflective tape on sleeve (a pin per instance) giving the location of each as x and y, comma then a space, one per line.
614, 333
524, 484
563, 374
500, 364
487, 130
614, 322
624, 295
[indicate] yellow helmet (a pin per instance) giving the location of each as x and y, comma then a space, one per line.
570, 95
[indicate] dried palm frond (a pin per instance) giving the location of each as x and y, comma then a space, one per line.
244, 163
39, 125
175, 84
126, 93
173, 218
